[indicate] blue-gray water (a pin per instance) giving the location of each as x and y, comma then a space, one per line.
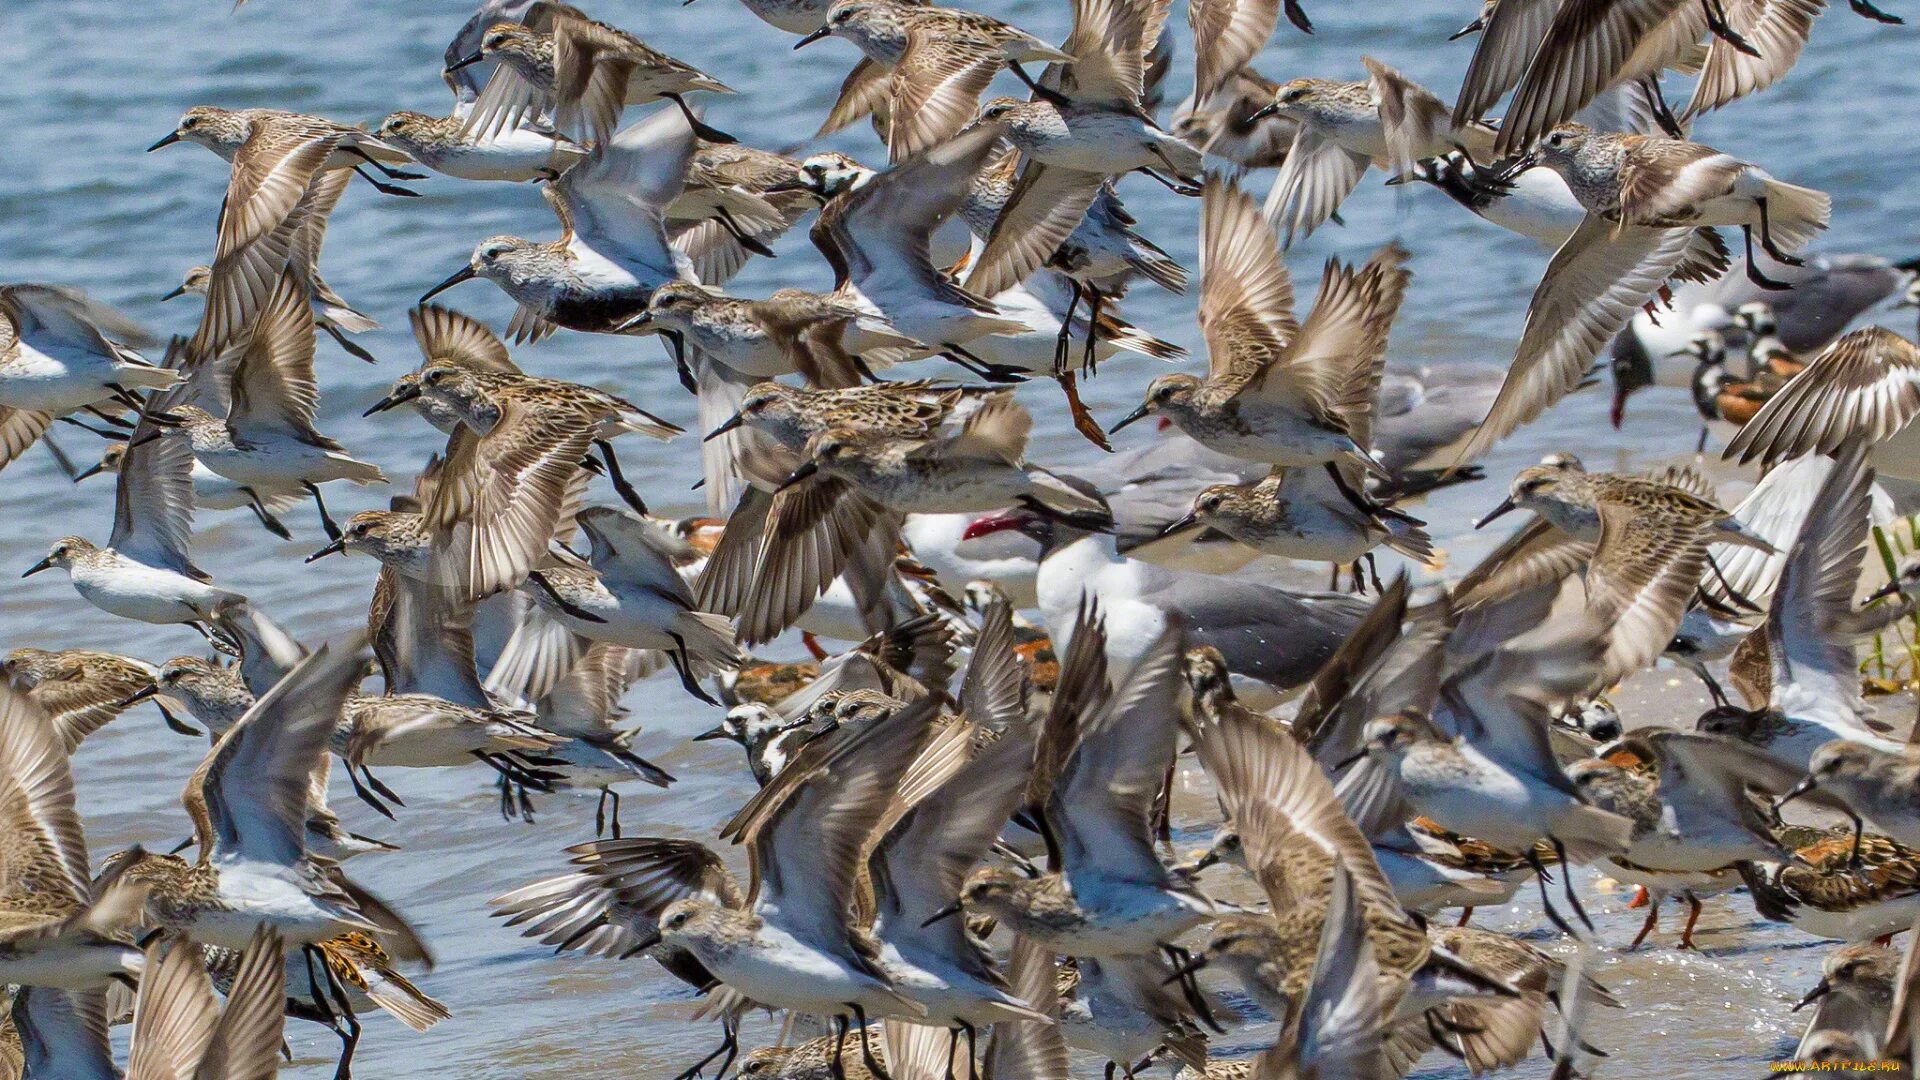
90, 83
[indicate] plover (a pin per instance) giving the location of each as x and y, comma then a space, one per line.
614, 251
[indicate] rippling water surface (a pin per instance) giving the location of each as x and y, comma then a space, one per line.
89, 84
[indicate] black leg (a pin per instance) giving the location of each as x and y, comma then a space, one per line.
1861, 7
600, 815
1753, 268
973, 1052
1039, 91
839, 1047
1177, 188
116, 421
953, 1043
740, 235
368, 797
627, 494
683, 664
866, 1049
711, 134
272, 524
326, 519
1766, 239
387, 170
729, 1044
1359, 499
1566, 884
614, 797
1717, 24
1373, 571
1064, 342
1088, 359
344, 342
1662, 114
383, 187
1546, 902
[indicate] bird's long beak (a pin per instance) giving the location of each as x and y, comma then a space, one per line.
1505, 506
43, 564
398, 397
1188, 521
1473, 27
811, 38
1137, 414
805, 470
733, 422
1820, 989
465, 62
170, 138
91, 470
992, 523
465, 273
146, 436
1806, 784
139, 696
1617, 412
947, 912
711, 734
1186, 970
1520, 164
1344, 762
1264, 111
642, 946
181, 291
635, 323
334, 548
1891, 588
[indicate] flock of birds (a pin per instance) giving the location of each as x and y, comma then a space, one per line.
958, 856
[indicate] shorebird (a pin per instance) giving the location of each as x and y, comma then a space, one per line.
631, 595
813, 334
1107, 893
1297, 514
229, 133
1070, 149
63, 352
248, 802
584, 71
1223, 125
1687, 796
1228, 34
583, 706
526, 151
1276, 390
1813, 684
266, 442
1345, 127
937, 61
55, 930
83, 691
513, 463
1840, 888
331, 312
613, 252
1854, 999
146, 571
769, 738
1864, 387
1642, 180
180, 1029
716, 227
210, 692
1872, 782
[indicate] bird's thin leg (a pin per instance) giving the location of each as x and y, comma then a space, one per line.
953, 1043
1753, 268
1717, 24
728, 1043
683, 664
1651, 924
1087, 359
1766, 238
382, 186
1862, 8
326, 519
389, 171
711, 134
600, 815
1083, 420
839, 1047
866, 1049
1064, 343
1041, 92
346, 343
973, 1053
614, 796
272, 524
345, 1007
116, 421
1546, 902
368, 797
1465, 914
1694, 907
1373, 571
1662, 114
1566, 884
627, 494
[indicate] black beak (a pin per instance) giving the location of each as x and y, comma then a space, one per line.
636, 322
1520, 164
1806, 784
1263, 112
398, 397
947, 912
1186, 970
181, 291
334, 548
1505, 506
1341, 765
465, 62
732, 423
1891, 588
1187, 522
465, 273
1820, 989
647, 943
1473, 27
91, 470
711, 734
171, 138
799, 474
139, 696
1137, 414
811, 38
43, 564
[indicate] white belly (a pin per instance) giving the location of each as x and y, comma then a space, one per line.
134, 590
